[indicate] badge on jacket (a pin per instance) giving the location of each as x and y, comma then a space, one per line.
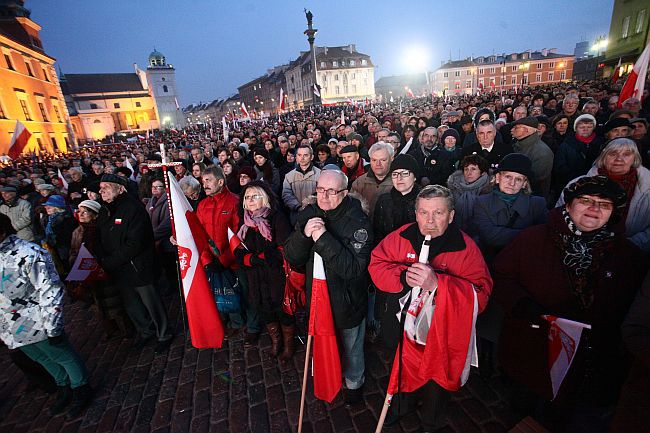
118, 221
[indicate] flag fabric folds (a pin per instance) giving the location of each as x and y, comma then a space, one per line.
281, 104
617, 72
18, 140
326, 362
85, 267
635, 83
316, 91
63, 181
244, 111
206, 330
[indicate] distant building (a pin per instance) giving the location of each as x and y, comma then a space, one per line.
29, 86
589, 68
629, 33
212, 112
502, 72
161, 78
342, 73
262, 94
397, 85
581, 50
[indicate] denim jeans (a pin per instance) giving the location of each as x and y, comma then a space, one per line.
353, 360
247, 311
60, 360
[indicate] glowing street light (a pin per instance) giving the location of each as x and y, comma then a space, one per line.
416, 60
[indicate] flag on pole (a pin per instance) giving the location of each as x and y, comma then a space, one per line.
617, 72
409, 92
225, 129
147, 136
326, 363
635, 83
178, 107
244, 111
281, 105
391, 99
206, 330
86, 268
128, 165
316, 91
63, 181
234, 242
563, 340
18, 140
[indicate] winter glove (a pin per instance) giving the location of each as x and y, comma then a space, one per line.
56, 340
272, 256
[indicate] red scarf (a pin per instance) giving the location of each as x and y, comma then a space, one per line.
586, 140
627, 181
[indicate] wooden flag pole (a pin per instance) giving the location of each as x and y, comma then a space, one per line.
304, 384
384, 412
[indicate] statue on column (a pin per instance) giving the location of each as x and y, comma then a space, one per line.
310, 18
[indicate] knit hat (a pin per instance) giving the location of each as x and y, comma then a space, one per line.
530, 121
616, 122
465, 119
91, 204
451, 132
405, 162
112, 178
333, 139
261, 152
55, 201
584, 118
248, 171
601, 186
517, 163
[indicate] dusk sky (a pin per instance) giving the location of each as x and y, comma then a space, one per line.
217, 46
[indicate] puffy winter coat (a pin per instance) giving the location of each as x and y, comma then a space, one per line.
368, 187
217, 214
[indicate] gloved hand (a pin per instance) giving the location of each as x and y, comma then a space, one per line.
57, 340
272, 256
527, 309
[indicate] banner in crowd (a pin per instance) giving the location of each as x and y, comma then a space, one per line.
86, 268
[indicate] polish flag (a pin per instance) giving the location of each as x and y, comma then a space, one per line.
234, 241
63, 181
206, 330
410, 93
617, 72
224, 125
178, 107
281, 98
244, 111
326, 363
316, 91
18, 140
563, 340
128, 165
635, 83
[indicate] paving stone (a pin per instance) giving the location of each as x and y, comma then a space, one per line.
255, 374
340, 418
279, 423
275, 398
219, 427
238, 417
476, 410
238, 388
258, 417
181, 422
200, 424
201, 403
183, 399
133, 396
108, 419
219, 407
203, 379
163, 414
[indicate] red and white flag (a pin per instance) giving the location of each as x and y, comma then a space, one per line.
234, 242
281, 105
635, 83
63, 181
563, 340
410, 93
326, 363
85, 268
617, 72
18, 140
244, 111
224, 125
128, 165
206, 330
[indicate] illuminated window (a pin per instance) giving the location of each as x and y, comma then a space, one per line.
23, 105
43, 112
626, 27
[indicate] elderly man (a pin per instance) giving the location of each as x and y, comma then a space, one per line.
570, 108
617, 127
19, 212
300, 183
457, 275
487, 146
125, 250
199, 156
427, 142
338, 230
530, 144
506, 130
352, 164
77, 186
376, 181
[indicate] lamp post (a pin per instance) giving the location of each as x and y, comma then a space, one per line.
311, 37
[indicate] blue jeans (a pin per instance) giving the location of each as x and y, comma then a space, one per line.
247, 310
353, 360
61, 361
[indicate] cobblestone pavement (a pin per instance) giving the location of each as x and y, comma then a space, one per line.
227, 390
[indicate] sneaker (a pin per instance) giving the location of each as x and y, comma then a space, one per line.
353, 397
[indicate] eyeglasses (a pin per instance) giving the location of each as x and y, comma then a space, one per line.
253, 197
589, 202
400, 174
157, 187
329, 191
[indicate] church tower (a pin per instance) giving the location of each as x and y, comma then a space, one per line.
161, 79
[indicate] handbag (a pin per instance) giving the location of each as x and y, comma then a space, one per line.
295, 297
225, 288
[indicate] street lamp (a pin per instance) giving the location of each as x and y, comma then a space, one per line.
416, 61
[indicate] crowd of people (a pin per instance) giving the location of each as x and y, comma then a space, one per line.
536, 203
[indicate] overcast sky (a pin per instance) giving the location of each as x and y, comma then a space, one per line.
217, 45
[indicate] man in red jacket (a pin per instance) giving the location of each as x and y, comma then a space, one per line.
459, 278
217, 213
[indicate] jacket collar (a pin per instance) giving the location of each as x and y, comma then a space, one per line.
450, 241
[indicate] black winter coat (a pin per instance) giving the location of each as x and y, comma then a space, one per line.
573, 158
345, 249
499, 150
392, 211
126, 247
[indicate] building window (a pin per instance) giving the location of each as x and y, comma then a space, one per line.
538, 77
524, 79
335, 64
54, 143
513, 79
345, 90
23, 105
468, 72
492, 70
626, 27
457, 85
550, 76
563, 75
457, 73
354, 88
43, 112
9, 64
640, 18
343, 64
364, 62
116, 105
165, 89
322, 64
468, 84
138, 104
45, 76
513, 68
56, 112
337, 90
93, 106
445, 74
539, 66
336, 77
353, 63
551, 65
503, 81
480, 71
29, 69
2, 112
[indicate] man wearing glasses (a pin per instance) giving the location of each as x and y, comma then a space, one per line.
338, 230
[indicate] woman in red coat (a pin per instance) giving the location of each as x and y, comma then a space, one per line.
574, 267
